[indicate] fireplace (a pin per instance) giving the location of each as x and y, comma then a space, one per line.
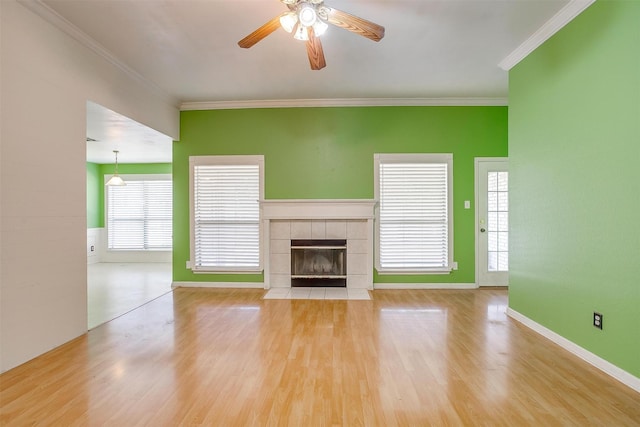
346, 223
319, 262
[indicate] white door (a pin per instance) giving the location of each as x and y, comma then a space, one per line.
492, 221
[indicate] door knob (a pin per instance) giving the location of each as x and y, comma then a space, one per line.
482, 230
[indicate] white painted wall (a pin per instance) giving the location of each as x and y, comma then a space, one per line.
97, 237
94, 245
46, 78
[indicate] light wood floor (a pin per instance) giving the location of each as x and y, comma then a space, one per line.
202, 357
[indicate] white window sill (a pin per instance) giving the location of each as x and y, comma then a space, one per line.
226, 271
389, 271
139, 250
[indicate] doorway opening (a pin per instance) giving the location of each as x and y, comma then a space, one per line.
123, 275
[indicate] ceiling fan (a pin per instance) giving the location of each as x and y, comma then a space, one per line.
307, 20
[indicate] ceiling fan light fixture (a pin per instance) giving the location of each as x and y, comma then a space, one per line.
307, 20
301, 33
307, 15
288, 21
319, 28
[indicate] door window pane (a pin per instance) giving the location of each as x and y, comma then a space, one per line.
493, 241
498, 221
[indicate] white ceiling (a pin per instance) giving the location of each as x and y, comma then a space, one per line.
432, 49
135, 142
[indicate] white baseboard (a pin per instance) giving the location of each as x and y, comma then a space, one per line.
237, 285
607, 367
425, 286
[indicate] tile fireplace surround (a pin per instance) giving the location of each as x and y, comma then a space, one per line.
284, 220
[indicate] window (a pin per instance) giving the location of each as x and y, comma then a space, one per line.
498, 221
225, 212
414, 220
139, 214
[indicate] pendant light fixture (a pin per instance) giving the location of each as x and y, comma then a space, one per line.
115, 179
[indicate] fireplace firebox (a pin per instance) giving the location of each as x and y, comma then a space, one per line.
319, 263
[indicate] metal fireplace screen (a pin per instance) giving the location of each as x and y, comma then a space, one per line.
319, 263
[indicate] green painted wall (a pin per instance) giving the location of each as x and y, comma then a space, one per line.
94, 195
327, 153
137, 168
574, 145
95, 185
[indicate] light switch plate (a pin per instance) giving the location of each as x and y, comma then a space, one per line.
467, 204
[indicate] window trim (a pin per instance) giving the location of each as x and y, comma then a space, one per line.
415, 158
215, 161
132, 177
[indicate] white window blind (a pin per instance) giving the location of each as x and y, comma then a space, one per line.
139, 215
414, 220
226, 215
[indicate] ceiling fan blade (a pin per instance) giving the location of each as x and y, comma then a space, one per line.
314, 51
355, 24
260, 33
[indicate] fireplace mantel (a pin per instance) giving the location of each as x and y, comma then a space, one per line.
317, 209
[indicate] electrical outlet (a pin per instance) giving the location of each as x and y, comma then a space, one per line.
597, 320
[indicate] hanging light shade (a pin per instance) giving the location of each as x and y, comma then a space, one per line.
115, 179
319, 28
288, 21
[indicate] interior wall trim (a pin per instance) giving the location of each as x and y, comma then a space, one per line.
344, 102
605, 366
552, 26
238, 285
425, 286
51, 16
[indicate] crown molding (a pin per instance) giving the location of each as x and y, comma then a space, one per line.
343, 102
552, 26
54, 18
